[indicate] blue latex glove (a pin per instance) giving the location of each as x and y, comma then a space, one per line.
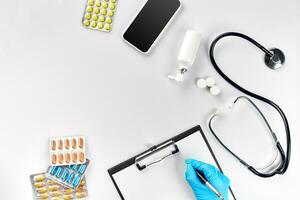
212, 175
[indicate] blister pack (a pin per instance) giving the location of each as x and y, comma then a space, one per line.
67, 151
68, 175
44, 188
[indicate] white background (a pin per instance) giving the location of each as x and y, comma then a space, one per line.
58, 78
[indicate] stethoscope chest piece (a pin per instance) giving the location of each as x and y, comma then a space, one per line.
276, 60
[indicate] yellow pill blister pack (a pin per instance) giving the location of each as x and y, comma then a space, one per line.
98, 14
44, 188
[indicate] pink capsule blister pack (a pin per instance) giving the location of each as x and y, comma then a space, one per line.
67, 150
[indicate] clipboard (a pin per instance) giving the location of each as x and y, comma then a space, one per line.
146, 172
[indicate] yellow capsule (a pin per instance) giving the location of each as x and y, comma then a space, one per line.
39, 184
98, 3
50, 182
110, 13
88, 16
96, 10
93, 24
113, 1
100, 26
112, 6
106, 0
86, 22
103, 12
38, 178
95, 18
90, 2
108, 20
101, 18
89, 9
68, 197
107, 27
42, 196
104, 5
41, 190
68, 191
53, 187
80, 194
55, 193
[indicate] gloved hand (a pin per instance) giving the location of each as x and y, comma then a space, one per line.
212, 175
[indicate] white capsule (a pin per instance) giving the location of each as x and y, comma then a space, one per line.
210, 81
215, 90
201, 83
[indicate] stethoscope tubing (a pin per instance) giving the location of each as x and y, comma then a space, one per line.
285, 156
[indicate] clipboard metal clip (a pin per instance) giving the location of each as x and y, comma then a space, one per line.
156, 154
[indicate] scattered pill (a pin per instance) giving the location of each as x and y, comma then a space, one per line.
201, 83
210, 81
215, 90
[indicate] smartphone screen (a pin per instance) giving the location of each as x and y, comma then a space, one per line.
150, 22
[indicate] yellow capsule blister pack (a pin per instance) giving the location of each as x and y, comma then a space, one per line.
44, 188
98, 14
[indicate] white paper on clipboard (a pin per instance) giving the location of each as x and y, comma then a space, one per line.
165, 180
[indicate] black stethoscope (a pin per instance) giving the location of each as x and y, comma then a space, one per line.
274, 59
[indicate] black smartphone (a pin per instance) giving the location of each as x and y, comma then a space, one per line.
149, 24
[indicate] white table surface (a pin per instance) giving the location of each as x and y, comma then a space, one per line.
58, 78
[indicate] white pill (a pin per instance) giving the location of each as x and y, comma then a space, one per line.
210, 81
201, 83
215, 90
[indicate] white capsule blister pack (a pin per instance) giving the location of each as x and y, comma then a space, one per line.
67, 150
